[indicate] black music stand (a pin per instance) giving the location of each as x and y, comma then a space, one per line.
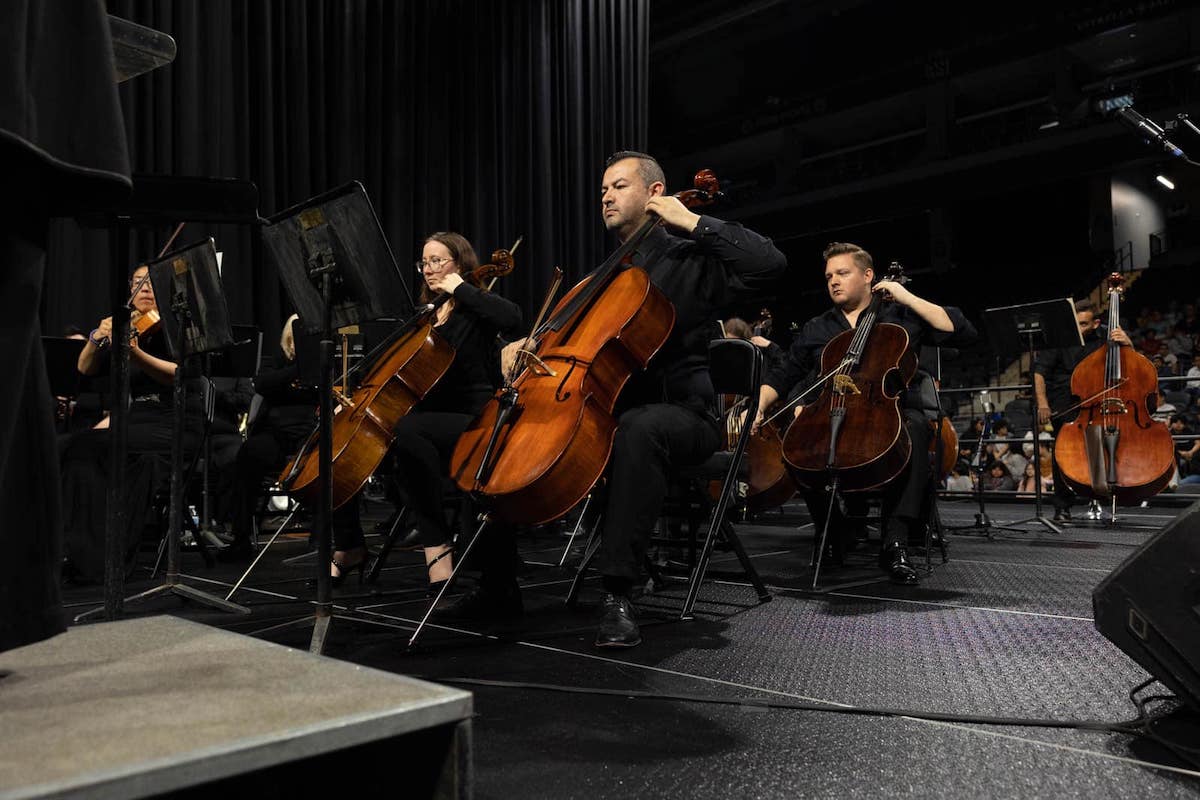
61, 355
1017, 330
332, 256
195, 322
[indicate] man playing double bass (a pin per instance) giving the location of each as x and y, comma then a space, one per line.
849, 276
1052, 370
666, 414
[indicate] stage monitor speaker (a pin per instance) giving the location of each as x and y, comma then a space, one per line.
1149, 606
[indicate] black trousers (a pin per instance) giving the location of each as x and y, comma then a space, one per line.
424, 443
30, 525
264, 451
650, 441
904, 499
85, 479
1064, 496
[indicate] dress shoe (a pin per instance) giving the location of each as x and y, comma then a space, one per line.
617, 628
483, 604
1062, 515
237, 553
411, 540
894, 561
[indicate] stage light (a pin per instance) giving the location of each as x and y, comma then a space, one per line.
1165, 181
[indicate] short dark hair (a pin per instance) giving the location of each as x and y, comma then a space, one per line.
648, 167
1084, 305
1179, 418
861, 257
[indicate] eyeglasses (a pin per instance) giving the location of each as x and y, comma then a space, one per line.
435, 263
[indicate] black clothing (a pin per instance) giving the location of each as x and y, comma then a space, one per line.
666, 414
425, 438
650, 440
803, 363
471, 328
1055, 365
721, 264
284, 419
905, 497
85, 465
56, 80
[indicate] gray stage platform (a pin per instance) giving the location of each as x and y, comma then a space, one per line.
149, 706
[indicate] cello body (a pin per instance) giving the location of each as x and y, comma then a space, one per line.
1114, 448
872, 445
556, 442
770, 483
363, 423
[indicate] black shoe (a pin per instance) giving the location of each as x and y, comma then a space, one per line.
237, 553
1062, 515
617, 625
894, 561
484, 605
411, 540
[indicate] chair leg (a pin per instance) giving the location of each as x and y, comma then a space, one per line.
389, 542
589, 553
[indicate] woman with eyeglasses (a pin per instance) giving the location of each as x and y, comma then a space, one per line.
470, 321
85, 467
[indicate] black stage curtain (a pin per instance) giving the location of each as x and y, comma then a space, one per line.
489, 118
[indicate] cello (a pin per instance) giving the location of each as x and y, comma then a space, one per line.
864, 372
543, 441
768, 483
399, 373
1113, 448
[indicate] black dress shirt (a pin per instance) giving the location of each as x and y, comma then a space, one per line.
803, 363
720, 264
472, 327
1055, 365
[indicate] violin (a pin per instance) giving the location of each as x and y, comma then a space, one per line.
543, 441
144, 323
1113, 448
855, 430
398, 374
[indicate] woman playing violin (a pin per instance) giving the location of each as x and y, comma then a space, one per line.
470, 321
85, 465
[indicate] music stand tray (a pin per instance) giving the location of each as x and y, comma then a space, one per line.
338, 270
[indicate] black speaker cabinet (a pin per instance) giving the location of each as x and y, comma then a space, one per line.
1149, 606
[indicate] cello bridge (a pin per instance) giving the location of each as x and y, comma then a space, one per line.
342, 399
1113, 405
844, 384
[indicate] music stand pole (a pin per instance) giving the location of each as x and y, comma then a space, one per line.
1030, 331
324, 610
983, 523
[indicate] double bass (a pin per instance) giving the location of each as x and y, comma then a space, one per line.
855, 430
1113, 448
543, 441
398, 374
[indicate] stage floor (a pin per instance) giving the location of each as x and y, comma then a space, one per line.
1003, 629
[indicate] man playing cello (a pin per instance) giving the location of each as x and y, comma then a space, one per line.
849, 275
666, 414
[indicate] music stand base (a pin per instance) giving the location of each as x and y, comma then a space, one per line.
179, 590
1037, 518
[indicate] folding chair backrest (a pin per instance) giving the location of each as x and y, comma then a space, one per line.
735, 366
